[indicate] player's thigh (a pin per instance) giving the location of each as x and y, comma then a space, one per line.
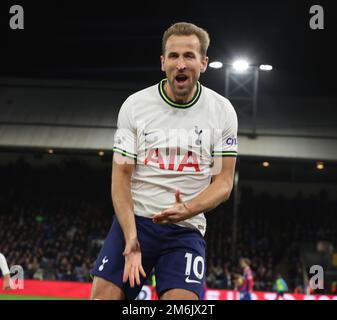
180, 275
105, 290
179, 294
110, 262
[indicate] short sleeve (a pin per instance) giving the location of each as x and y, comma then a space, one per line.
125, 140
226, 140
3, 265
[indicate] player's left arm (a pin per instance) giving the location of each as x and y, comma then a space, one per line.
5, 271
216, 193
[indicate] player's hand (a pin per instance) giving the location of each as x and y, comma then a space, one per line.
6, 287
6, 283
133, 263
178, 212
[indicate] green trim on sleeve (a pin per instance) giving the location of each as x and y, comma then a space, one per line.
224, 154
124, 153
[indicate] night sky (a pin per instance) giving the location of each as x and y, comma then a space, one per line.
122, 41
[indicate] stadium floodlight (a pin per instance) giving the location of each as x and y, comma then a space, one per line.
240, 65
320, 165
216, 64
266, 67
265, 164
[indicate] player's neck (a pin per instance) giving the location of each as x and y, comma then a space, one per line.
179, 98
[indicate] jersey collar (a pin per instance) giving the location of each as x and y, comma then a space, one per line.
189, 104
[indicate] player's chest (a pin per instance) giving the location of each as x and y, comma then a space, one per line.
175, 128
176, 143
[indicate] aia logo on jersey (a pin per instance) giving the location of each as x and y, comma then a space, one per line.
189, 160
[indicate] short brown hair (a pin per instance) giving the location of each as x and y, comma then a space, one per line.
188, 29
246, 261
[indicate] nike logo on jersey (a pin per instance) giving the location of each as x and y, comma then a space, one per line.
148, 133
188, 280
104, 261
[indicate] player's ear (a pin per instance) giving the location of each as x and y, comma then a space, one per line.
162, 60
204, 64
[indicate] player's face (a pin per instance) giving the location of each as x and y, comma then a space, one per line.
183, 63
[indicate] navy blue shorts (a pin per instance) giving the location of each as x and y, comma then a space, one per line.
176, 253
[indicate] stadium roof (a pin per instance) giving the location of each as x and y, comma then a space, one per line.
82, 116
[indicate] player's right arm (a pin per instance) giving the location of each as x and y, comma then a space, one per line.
123, 205
124, 159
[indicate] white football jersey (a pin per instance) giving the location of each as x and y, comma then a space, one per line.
174, 146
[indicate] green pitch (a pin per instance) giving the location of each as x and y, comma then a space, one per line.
18, 297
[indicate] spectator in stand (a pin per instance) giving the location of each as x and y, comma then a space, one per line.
298, 289
280, 286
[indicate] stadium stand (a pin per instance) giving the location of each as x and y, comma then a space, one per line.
55, 229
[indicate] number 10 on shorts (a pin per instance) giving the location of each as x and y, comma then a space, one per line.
196, 262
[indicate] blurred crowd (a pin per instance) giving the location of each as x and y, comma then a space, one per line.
270, 231
53, 221
53, 242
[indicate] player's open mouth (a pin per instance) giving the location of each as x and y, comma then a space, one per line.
181, 79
